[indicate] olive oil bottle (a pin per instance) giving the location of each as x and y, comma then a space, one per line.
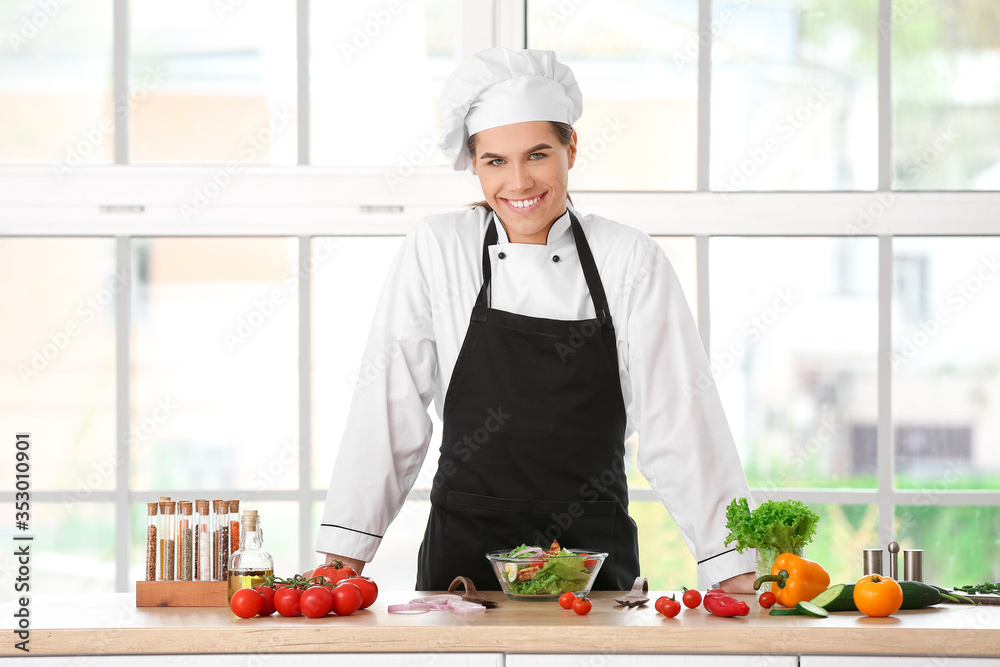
250, 565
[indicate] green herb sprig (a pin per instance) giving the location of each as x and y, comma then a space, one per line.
980, 588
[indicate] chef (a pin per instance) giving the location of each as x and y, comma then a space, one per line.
545, 337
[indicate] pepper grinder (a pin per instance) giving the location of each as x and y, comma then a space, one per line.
893, 560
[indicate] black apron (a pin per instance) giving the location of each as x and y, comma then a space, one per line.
533, 444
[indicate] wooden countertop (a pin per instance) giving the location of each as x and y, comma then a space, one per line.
112, 624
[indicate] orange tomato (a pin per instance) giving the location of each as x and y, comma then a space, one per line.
878, 596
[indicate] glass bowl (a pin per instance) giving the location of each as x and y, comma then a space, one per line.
573, 572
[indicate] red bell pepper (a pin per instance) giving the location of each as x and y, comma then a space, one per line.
720, 604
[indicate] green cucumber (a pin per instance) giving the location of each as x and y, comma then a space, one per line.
844, 600
828, 596
786, 611
811, 609
916, 595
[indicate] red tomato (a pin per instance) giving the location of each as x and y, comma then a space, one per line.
582, 606
347, 599
668, 606
316, 601
566, 600
286, 601
691, 599
369, 589
767, 600
334, 572
267, 593
246, 603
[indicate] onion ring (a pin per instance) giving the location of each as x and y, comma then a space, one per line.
413, 607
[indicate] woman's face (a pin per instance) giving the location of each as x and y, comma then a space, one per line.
523, 170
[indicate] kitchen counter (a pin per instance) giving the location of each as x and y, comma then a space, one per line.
112, 624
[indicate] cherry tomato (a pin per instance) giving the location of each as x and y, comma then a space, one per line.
691, 598
316, 601
334, 572
588, 562
668, 606
582, 606
246, 603
286, 601
267, 593
566, 600
369, 590
767, 600
347, 599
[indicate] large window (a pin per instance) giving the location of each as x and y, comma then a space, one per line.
199, 203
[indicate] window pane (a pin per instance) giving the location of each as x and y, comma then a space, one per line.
57, 343
637, 65
663, 555
77, 533
376, 72
214, 364
55, 82
843, 531
959, 543
794, 95
213, 82
946, 95
946, 364
347, 281
794, 354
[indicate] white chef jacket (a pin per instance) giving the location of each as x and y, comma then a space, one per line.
686, 449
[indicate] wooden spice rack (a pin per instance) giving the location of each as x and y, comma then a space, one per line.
181, 594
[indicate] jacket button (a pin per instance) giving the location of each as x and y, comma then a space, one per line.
555, 258
502, 255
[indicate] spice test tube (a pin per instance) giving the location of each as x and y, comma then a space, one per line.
152, 515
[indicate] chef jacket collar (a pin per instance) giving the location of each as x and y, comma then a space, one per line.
558, 229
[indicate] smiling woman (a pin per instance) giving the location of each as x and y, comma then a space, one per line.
574, 319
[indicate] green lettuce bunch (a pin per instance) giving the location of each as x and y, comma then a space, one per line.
784, 525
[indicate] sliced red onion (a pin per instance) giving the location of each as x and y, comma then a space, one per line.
443, 602
473, 608
411, 607
531, 551
443, 598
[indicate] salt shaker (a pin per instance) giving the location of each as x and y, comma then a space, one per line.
872, 561
913, 564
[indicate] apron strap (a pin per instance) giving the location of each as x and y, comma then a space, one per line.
490, 240
590, 272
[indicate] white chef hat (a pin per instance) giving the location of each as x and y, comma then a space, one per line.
501, 87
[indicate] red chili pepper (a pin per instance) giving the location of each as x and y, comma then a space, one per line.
721, 604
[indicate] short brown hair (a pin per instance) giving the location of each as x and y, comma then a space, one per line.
563, 130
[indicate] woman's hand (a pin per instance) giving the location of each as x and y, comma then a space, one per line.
353, 563
741, 584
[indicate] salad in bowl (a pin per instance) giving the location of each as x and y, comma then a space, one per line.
533, 573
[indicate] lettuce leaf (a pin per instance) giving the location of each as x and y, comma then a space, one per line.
784, 525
